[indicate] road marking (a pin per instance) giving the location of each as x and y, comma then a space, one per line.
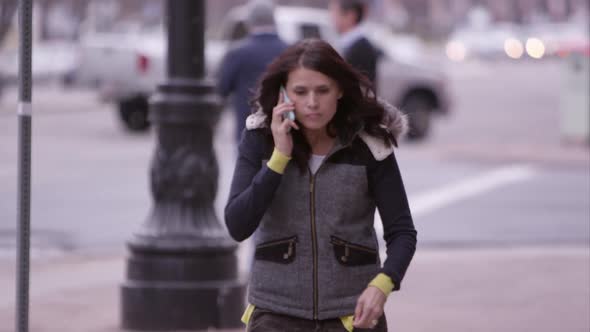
425, 203
431, 200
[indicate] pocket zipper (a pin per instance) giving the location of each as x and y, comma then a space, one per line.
346, 253
347, 245
289, 252
292, 240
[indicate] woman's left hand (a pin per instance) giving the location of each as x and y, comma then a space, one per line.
369, 308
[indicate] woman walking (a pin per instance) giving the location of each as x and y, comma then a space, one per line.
307, 187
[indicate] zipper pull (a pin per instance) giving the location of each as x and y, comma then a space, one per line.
289, 251
346, 253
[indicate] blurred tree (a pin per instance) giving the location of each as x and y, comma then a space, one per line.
7, 10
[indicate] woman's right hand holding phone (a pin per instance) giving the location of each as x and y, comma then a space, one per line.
281, 126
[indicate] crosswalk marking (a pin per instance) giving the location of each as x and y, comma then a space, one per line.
431, 200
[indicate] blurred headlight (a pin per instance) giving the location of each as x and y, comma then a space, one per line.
513, 48
456, 51
535, 48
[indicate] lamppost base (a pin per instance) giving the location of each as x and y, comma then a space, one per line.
158, 306
187, 292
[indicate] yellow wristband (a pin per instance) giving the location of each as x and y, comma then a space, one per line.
383, 282
278, 161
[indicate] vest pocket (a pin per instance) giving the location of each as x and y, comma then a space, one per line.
351, 254
279, 251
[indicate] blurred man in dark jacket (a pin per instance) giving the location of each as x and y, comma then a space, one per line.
246, 61
347, 16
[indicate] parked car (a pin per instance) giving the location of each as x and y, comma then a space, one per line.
51, 61
410, 79
135, 68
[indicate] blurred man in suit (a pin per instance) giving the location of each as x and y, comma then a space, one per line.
246, 61
348, 16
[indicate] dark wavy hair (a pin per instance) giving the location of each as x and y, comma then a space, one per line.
358, 108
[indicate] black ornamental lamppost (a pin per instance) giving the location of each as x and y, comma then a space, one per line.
182, 268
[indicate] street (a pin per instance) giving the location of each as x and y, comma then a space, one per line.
90, 177
492, 190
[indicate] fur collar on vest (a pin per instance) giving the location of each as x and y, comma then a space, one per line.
394, 120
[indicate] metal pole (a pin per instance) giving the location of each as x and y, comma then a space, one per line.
24, 165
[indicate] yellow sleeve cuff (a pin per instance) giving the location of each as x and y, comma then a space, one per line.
383, 282
247, 314
347, 322
278, 161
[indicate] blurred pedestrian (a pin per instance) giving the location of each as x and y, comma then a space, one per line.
246, 61
348, 17
307, 187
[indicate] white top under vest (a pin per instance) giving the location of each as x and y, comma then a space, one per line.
314, 162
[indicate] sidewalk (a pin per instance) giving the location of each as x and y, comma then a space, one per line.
509, 289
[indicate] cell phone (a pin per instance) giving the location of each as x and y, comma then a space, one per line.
290, 114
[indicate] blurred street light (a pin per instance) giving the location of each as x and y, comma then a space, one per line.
513, 48
456, 51
535, 48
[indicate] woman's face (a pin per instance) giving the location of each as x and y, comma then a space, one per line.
315, 96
